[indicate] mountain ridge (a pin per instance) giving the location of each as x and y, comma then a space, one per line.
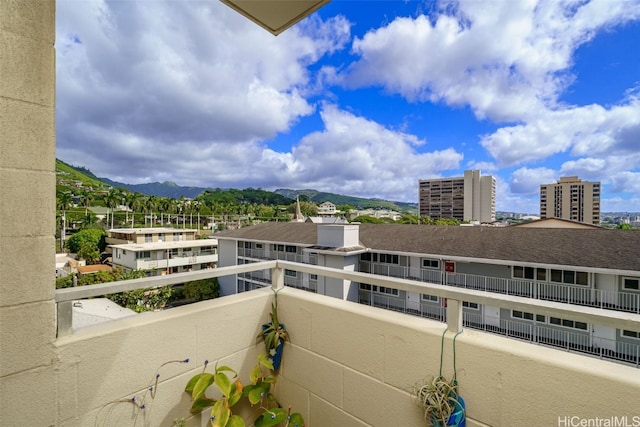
173, 190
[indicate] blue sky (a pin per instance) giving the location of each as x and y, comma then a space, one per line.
363, 98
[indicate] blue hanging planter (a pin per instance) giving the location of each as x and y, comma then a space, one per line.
275, 355
457, 418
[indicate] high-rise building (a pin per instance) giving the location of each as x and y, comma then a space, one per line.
570, 198
471, 197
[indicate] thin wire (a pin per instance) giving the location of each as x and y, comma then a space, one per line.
455, 372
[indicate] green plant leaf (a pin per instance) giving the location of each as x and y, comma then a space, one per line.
255, 394
200, 404
235, 421
296, 420
192, 382
223, 383
220, 413
236, 393
225, 368
205, 380
256, 374
271, 417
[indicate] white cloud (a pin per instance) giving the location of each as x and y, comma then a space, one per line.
507, 60
590, 130
527, 181
353, 155
626, 182
159, 75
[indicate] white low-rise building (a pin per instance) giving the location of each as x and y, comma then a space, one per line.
160, 258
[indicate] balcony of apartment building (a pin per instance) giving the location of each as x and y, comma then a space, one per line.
548, 330
556, 289
346, 365
283, 252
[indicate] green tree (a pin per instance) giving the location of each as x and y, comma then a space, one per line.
367, 219
200, 290
91, 236
89, 252
624, 227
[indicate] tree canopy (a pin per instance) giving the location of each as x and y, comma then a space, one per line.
87, 240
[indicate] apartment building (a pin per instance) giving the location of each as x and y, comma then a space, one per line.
586, 267
327, 208
471, 197
117, 236
571, 198
161, 251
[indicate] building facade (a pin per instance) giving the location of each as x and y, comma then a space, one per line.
586, 267
570, 198
161, 251
471, 197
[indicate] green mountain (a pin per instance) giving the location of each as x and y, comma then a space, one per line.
69, 178
72, 178
339, 200
160, 189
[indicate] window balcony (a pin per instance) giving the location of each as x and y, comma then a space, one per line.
342, 357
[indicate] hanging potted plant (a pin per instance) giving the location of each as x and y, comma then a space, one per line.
440, 398
274, 334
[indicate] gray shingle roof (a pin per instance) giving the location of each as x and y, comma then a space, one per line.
596, 248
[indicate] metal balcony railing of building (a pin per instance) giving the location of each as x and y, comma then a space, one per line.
453, 314
572, 294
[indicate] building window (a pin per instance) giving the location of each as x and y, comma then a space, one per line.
631, 283
528, 316
431, 263
379, 289
291, 249
389, 259
365, 256
313, 277
630, 334
567, 323
177, 237
258, 245
531, 273
471, 305
277, 248
431, 298
570, 277
290, 273
143, 255
148, 238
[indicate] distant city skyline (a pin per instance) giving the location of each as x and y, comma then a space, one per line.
357, 100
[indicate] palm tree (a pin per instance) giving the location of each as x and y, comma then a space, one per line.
134, 201
151, 203
113, 199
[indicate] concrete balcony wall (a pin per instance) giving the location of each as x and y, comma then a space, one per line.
116, 360
353, 365
347, 365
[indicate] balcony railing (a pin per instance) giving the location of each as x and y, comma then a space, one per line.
306, 258
572, 294
452, 313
